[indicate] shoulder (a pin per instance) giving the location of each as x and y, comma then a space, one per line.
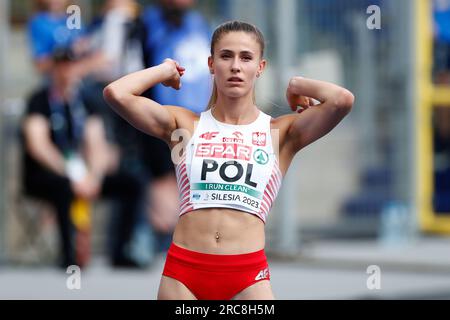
39, 94
37, 112
38, 102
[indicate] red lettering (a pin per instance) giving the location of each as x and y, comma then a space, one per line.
224, 150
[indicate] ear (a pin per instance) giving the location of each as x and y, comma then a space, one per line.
262, 66
211, 64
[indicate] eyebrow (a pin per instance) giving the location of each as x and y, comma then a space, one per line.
242, 52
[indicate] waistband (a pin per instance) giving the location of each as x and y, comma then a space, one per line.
217, 262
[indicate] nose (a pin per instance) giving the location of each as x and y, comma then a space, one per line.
235, 67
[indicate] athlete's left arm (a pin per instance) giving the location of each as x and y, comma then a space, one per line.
315, 121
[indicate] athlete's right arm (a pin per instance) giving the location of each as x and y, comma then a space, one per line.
123, 96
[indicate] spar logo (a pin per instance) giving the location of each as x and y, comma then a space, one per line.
259, 138
224, 150
208, 135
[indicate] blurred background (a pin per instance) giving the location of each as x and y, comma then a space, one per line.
375, 191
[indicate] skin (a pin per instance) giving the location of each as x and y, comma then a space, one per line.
235, 54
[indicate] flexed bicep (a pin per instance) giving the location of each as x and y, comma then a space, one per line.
124, 96
314, 122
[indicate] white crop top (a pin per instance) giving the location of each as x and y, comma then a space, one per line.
229, 166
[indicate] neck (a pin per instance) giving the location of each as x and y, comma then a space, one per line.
62, 93
236, 111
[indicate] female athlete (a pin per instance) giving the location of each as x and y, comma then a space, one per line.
231, 163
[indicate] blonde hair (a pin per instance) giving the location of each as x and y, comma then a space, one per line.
225, 28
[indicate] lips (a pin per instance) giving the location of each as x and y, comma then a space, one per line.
235, 79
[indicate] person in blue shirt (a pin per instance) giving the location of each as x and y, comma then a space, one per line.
173, 29
47, 30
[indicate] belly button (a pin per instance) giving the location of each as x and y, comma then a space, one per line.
217, 236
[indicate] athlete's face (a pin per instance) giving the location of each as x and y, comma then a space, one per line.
236, 64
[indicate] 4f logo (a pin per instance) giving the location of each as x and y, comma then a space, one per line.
208, 135
259, 138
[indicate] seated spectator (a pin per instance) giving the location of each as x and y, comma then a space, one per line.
59, 126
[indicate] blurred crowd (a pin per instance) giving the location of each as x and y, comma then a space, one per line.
77, 150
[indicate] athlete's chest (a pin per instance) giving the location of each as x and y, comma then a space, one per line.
232, 159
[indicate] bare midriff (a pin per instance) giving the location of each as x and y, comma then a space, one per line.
220, 231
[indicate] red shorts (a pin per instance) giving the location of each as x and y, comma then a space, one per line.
215, 276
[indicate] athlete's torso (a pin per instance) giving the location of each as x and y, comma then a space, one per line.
231, 228
238, 233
